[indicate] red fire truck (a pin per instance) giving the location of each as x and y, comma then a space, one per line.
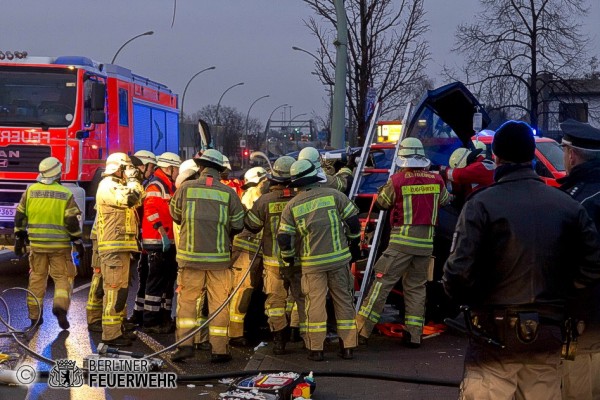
79, 111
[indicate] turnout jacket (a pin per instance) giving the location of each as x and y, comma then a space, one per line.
155, 211
414, 197
50, 216
265, 214
320, 217
117, 221
209, 214
520, 242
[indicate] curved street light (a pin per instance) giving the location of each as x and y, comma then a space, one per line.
247, 116
221, 98
186, 88
268, 122
129, 41
307, 52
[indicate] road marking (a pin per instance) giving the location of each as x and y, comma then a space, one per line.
80, 288
157, 346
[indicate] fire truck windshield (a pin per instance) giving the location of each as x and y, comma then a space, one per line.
37, 96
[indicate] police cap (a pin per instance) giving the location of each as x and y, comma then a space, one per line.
580, 135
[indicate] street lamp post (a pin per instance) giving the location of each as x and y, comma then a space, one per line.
267, 125
246, 125
129, 41
221, 98
186, 88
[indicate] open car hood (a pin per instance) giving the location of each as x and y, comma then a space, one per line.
443, 121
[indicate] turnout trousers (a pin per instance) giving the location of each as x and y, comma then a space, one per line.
115, 275
314, 286
162, 274
392, 266
93, 308
241, 300
279, 291
59, 265
190, 283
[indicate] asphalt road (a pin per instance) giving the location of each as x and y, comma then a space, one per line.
77, 343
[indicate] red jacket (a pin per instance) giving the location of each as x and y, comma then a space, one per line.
156, 211
235, 184
476, 175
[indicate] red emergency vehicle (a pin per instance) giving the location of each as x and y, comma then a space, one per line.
79, 111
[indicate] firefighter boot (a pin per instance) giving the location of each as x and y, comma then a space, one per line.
345, 353
119, 341
278, 343
316, 355
220, 358
61, 316
182, 353
295, 334
137, 318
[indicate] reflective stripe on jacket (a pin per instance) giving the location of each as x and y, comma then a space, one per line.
159, 191
117, 222
50, 215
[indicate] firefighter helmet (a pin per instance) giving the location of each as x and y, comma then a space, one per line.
311, 154
255, 175
226, 163
50, 169
303, 173
281, 169
168, 159
115, 162
411, 146
143, 157
211, 158
186, 170
458, 158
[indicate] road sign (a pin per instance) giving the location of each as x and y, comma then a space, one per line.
243, 143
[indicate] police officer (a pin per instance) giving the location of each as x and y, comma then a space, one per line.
414, 196
209, 214
581, 145
157, 241
145, 161
338, 181
48, 216
518, 249
119, 193
316, 226
265, 214
245, 246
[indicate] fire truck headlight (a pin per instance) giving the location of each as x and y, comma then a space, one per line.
9, 55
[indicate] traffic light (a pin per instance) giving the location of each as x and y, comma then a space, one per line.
245, 153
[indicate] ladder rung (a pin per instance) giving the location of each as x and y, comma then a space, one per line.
376, 171
365, 195
368, 220
381, 146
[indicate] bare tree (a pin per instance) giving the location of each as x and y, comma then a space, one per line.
386, 51
518, 52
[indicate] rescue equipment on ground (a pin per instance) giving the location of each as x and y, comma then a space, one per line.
271, 386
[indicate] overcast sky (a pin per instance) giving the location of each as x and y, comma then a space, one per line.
248, 41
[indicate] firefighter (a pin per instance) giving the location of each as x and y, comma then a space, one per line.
93, 307
519, 248
316, 226
233, 183
265, 215
245, 246
469, 171
119, 193
157, 242
414, 196
49, 218
581, 145
145, 161
209, 214
339, 181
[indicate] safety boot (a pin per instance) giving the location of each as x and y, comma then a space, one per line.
119, 341
204, 346
295, 334
316, 355
137, 318
220, 358
61, 316
95, 326
182, 353
345, 353
238, 342
278, 343
409, 342
363, 341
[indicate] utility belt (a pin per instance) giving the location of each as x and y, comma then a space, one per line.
506, 327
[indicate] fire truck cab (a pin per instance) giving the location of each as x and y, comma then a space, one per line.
79, 111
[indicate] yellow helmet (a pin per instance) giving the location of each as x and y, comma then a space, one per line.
458, 158
50, 169
115, 162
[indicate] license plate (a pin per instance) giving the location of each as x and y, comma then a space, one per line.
7, 211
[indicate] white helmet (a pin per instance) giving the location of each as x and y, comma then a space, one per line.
255, 175
115, 162
226, 163
50, 169
458, 158
168, 159
186, 170
311, 154
411, 154
145, 156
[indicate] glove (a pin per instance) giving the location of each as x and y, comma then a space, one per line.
355, 252
20, 243
164, 239
79, 249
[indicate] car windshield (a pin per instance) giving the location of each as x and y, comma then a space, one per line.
438, 138
34, 96
553, 153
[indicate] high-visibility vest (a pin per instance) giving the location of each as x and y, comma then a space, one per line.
48, 209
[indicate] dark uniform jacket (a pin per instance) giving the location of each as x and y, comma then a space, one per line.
521, 242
